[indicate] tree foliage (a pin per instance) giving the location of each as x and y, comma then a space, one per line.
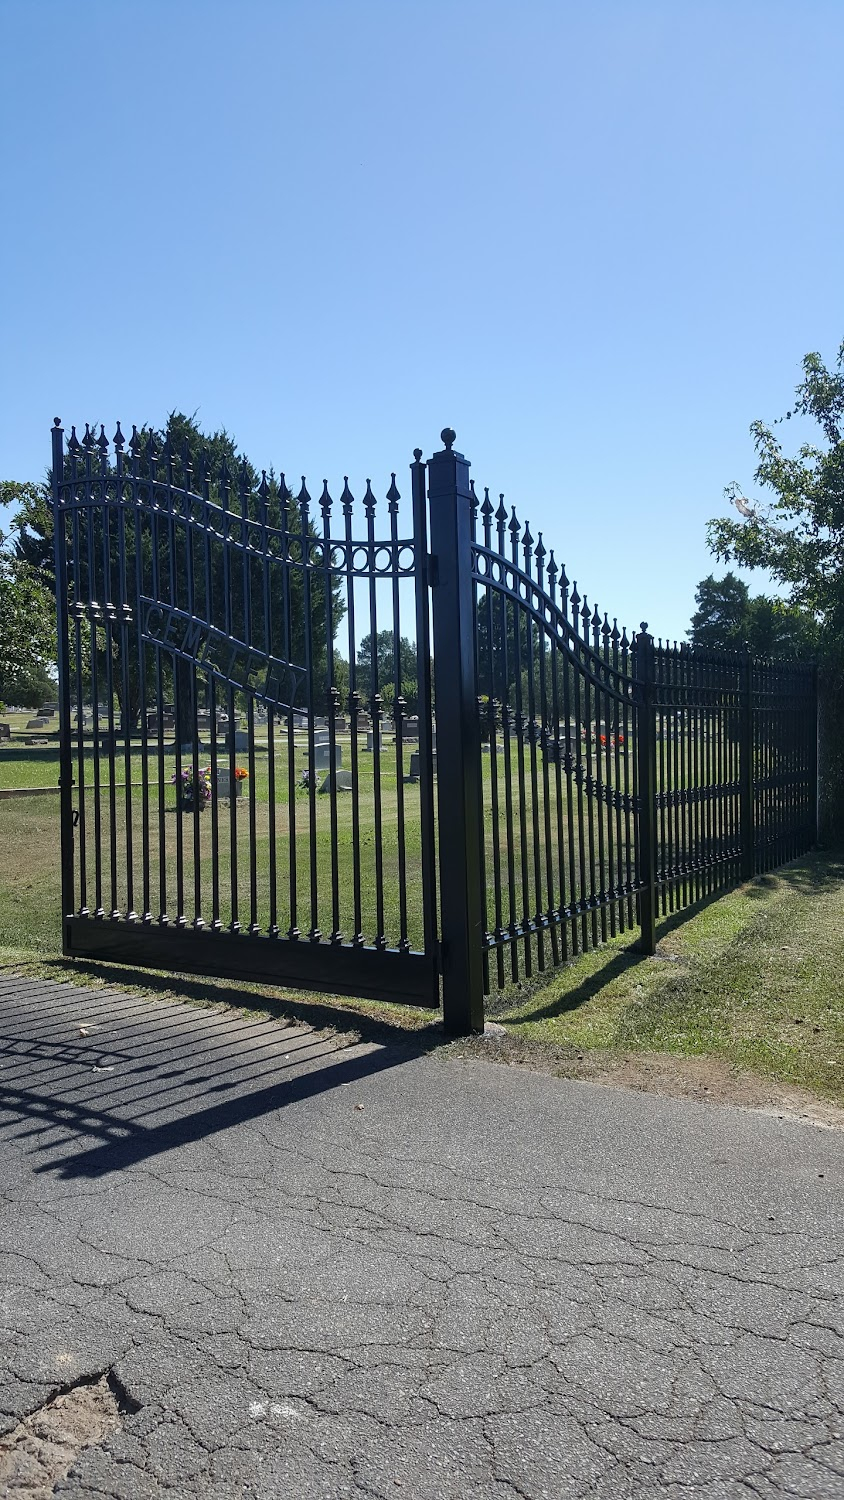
385, 665
796, 529
219, 594
27, 630
729, 618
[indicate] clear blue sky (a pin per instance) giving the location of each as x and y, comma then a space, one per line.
596, 239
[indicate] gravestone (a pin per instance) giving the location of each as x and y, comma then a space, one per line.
341, 724
322, 757
224, 783
36, 723
5, 732
341, 781
241, 739
416, 765
370, 741
410, 729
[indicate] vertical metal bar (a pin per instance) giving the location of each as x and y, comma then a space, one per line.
286, 501
629, 788
140, 646
564, 835
375, 703
458, 747
124, 616
266, 598
422, 583
179, 704
508, 612
588, 789
95, 615
646, 833
63, 663
251, 790
477, 674
348, 501
191, 607
813, 728
539, 921
746, 815
581, 732
109, 616
622, 845
332, 704
393, 498
600, 805
157, 594
665, 725
551, 912
226, 544
526, 922
78, 616
608, 883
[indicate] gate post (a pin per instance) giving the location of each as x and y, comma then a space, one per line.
646, 832
458, 741
746, 798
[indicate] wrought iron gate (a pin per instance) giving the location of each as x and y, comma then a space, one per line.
576, 782
199, 599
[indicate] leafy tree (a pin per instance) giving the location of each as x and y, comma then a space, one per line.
385, 667
796, 530
27, 631
728, 618
199, 459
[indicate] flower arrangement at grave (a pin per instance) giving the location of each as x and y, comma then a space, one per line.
193, 791
240, 774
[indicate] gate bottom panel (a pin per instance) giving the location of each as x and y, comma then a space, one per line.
334, 969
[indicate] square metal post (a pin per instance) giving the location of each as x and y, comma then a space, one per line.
458, 741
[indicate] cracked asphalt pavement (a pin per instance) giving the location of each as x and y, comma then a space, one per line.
370, 1271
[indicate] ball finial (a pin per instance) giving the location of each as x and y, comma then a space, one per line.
448, 436
643, 626
57, 421
417, 454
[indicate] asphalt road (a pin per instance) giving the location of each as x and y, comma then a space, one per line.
373, 1273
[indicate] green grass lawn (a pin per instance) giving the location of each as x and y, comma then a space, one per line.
755, 978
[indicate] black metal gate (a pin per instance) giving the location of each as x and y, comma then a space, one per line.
219, 813
261, 732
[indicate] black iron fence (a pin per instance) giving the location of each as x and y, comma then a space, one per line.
274, 711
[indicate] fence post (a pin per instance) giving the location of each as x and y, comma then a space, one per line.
746, 799
458, 741
63, 664
646, 833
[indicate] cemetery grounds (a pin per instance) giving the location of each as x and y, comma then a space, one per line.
743, 999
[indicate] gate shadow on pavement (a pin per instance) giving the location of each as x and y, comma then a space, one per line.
122, 1079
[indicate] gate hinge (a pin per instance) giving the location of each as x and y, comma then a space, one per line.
433, 570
